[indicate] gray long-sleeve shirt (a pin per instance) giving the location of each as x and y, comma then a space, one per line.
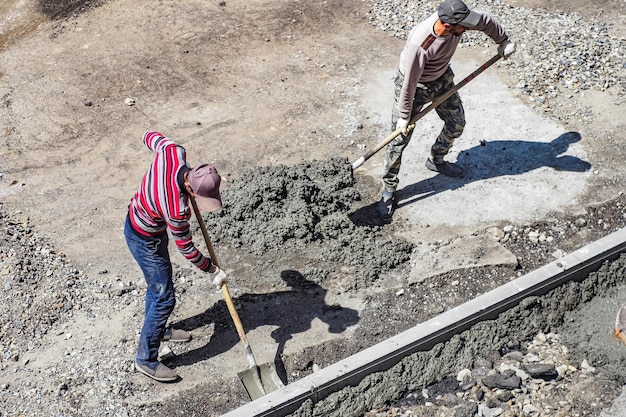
426, 56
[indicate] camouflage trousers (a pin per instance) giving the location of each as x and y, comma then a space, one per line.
450, 111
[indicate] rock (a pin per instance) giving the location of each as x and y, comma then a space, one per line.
466, 409
541, 371
464, 375
505, 396
586, 367
502, 382
514, 355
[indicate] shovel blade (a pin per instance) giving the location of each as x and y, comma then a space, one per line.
260, 380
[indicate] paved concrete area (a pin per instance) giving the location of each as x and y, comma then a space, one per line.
520, 166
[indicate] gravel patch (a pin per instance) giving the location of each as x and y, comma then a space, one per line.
558, 54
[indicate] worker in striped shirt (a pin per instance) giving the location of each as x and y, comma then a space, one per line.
160, 203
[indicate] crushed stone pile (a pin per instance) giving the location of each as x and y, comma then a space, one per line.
40, 288
558, 53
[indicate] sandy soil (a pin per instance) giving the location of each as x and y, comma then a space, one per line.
237, 86
208, 84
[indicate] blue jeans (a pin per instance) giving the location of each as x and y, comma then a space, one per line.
154, 260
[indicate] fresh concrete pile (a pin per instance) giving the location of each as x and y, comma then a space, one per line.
309, 208
505, 366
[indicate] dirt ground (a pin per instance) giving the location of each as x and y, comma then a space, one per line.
239, 84
80, 148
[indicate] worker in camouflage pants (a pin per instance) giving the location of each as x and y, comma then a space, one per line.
450, 111
424, 74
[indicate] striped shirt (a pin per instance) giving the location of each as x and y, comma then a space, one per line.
161, 201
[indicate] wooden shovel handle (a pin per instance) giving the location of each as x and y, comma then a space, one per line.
422, 113
224, 288
205, 234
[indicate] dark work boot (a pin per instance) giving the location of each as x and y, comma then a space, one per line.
446, 168
386, 206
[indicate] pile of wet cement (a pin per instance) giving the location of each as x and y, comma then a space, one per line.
302, 207
563, 309
552, 312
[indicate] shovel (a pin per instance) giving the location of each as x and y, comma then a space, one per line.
422, 113
257, 380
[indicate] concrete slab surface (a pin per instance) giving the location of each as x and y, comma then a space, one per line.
519, 165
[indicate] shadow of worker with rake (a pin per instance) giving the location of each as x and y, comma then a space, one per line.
489, 160
292, 311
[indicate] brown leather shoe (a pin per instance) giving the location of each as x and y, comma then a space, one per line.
162, 373
176, 335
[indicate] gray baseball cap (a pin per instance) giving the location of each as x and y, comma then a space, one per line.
456, 12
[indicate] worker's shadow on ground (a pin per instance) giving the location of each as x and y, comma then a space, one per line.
489, 160
292, 311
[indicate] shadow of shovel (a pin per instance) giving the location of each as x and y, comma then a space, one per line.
258, 380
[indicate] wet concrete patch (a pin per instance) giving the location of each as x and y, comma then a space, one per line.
307, 208
588, 331
547, 313
59, 9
